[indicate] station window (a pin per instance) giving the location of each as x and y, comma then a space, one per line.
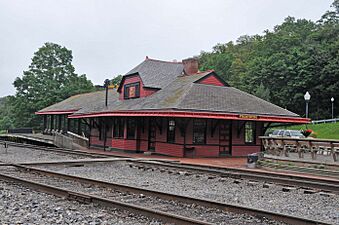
171, 131
132, 90
131, 128
199, 131
249, 132
118, 129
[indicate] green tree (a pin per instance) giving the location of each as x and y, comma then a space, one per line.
6, 110
262, 92
116, 80
50, 78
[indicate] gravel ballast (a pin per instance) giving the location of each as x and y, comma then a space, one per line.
20, 154
207, 214
276, 198
20, 205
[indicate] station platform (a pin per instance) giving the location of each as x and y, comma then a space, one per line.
41, 138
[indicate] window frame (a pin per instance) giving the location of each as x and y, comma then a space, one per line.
171, 133
129, 122
199, 129
253, 131
137, 90
118, 128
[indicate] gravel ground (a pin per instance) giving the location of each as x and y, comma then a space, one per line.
19, 205
317, 206
211, 215
19, 154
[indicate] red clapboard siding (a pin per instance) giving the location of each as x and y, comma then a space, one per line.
96, 141
124, 144
211, 80
133, 79
245, 150
169, 149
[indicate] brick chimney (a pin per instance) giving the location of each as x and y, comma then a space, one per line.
190, 66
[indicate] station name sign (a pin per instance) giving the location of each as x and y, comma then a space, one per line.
248, 117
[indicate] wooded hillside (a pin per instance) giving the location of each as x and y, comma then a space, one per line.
299, 55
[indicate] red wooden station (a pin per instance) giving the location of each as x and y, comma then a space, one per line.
169, 108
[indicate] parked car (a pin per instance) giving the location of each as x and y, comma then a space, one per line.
287, 133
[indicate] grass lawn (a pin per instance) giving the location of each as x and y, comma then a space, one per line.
323, 130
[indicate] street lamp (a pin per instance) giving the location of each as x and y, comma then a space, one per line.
307, 98
332, 101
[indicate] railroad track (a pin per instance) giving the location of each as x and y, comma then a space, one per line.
54, 149
327, 185
169, 208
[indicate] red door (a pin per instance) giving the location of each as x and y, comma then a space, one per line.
152, 129
225, 138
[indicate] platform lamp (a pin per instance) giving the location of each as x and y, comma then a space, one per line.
307, 98
332, 101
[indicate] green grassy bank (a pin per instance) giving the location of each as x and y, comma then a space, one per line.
323, 130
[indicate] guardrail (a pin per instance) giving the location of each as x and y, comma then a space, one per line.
325, 121
299, 147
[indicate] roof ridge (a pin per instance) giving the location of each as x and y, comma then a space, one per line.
163, 61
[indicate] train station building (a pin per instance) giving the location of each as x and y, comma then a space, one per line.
169, 108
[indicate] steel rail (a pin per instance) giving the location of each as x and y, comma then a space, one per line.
88, 198
189, 200
330, 185
283, 179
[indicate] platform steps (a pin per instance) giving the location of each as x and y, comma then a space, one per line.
313, 169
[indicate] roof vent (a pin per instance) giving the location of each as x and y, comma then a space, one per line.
190, 66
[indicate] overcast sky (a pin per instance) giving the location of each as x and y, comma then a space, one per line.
110, 37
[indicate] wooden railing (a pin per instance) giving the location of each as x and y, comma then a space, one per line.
283, 146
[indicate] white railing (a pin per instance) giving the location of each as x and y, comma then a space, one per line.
78, 139
325, 121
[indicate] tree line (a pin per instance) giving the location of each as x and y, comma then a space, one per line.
298, 55
49, 79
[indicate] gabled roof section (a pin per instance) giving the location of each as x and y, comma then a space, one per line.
157, 73
212, 73
77, 102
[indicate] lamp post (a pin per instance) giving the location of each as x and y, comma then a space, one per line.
332, 101
307, 98
106, 84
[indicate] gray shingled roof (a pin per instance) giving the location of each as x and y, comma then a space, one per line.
177, 92
184, 94
156, 73
80, 101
